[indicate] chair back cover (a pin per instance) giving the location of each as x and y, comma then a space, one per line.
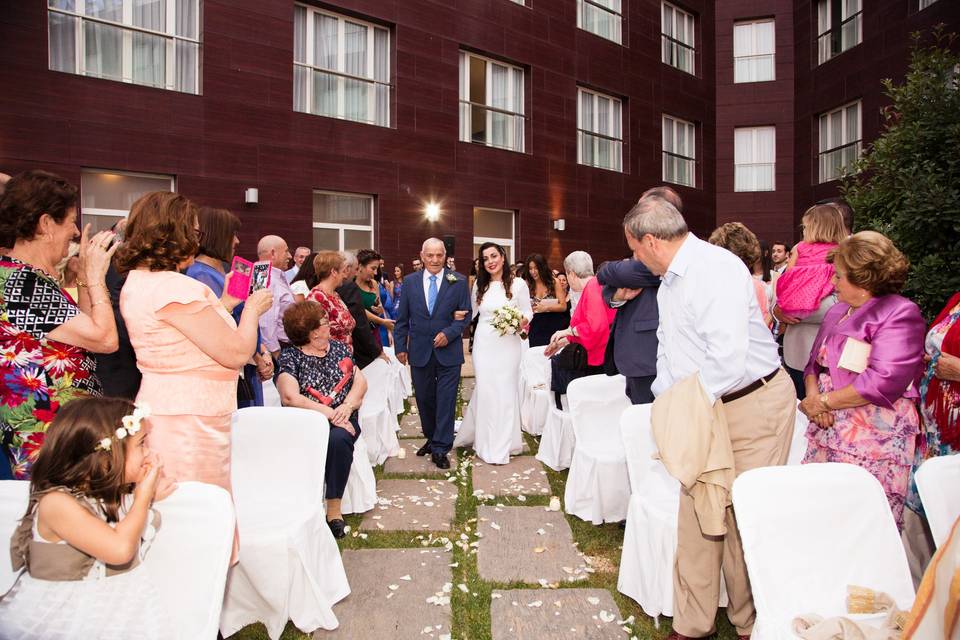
808, 531
596, 404
798, 443
534, 367
381, 383
938, 483
14, 495
648, 476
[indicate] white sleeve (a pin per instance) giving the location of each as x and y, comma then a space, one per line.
723, 305
473, 302
521, 293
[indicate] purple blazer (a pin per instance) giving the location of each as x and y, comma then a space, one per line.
895, 330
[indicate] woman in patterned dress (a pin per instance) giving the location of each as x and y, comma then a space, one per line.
330, 273
45, 337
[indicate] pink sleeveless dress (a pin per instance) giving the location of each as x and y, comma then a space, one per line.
801, 287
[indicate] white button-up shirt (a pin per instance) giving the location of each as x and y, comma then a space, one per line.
710, 322
426, 284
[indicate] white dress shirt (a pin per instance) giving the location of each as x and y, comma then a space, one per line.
710, 322
426, 284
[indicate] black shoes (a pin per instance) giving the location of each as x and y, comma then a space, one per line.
337, 528
440, 459
424, 450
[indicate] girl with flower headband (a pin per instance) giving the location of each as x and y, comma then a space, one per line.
80, 540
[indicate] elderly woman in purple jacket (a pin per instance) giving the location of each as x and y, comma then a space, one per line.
859, 379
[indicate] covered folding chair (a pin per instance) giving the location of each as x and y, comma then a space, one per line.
14, 495
938, 483
798, 443
378, 420
535, 394
557, 440
403, 370
360, 494
808, 532
598, 488
271, 397
290, 566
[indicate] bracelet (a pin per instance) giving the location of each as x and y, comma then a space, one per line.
823, 399
93, 304
81, 284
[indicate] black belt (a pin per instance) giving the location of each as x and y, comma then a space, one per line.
750, 388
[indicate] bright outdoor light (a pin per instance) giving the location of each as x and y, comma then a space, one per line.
432, 211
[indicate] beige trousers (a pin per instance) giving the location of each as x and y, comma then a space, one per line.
761, 426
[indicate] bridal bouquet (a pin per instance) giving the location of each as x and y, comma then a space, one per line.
508, 320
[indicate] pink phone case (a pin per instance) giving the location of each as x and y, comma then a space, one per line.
242, 270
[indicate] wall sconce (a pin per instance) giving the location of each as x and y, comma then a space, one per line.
251, 196
560, 225
432, 211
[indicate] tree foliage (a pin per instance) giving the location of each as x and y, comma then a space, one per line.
907, 184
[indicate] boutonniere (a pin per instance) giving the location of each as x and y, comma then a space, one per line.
451, 278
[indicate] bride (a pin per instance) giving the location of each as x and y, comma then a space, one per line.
492, 419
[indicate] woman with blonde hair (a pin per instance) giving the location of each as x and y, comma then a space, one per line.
809, 275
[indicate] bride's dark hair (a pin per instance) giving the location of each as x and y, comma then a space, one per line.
483, 276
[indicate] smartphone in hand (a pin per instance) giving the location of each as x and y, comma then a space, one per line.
242, 276
261, 276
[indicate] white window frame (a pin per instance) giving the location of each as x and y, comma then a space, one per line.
118, 213
618, 36
126, 53
669, 155
673, 43
925, 3
772, 55
467, 103
592, 130
345, 227
827, 33
340, 72
835, 146
508, 244
753, 165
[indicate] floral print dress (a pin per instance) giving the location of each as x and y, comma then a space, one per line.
37, 375
341, 322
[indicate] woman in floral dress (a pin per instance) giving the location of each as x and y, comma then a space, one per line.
329, 268
45, 337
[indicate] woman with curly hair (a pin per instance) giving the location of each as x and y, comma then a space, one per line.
189, 348
866, 356
548, 300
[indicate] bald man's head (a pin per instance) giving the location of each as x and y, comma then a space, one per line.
665, 193
4, 179
274, 249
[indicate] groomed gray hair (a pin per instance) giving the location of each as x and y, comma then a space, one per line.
657, 217
579, 263
349, 258
437, 241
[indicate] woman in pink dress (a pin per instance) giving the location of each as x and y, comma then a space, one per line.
189, 349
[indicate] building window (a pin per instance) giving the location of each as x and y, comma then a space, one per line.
491, 103
522, 3
342, 221
677, 35
839, 27
599, 131
601, 17
679, 151
106, 196
925, 3
753, 51
754, 153
840, 137
494, 225
341, 67
155, 43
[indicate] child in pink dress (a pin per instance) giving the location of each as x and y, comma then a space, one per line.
808, 278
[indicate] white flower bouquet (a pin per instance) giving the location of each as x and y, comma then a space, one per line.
508, 321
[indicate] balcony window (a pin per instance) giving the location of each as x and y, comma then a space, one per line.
755, 152
840, 141
679, 151
753, 51
491, 103
839, 27
677, 38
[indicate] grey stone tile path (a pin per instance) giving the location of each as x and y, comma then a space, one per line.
558, 614
527, 544
410, 463
523, 475
412, 505
410, 427
389, 593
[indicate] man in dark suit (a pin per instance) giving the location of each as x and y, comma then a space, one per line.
433, 313
366, 349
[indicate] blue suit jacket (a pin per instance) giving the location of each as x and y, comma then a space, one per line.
416, 327
635, 325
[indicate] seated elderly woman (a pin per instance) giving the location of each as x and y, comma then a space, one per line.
318, 373
866, 356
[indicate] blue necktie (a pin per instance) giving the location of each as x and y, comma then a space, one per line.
432, 294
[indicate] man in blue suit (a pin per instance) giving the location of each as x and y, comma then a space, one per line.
434, 311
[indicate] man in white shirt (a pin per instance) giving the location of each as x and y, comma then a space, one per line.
298, 257
710, 323
273, 249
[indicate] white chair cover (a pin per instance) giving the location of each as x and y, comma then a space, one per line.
189, 558
290, 566
798, 444
535, 394
360, 494
808, 531
558, 439
378, 421
938, 483
14, 495
406, 381
598, 487
271, 397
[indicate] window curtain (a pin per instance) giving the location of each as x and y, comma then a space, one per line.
331, 208
464, 98
150, 51
301, 75
381, 73
103, 45
187, 53
754, 157
586, 124
498, 79
518, 121
753, 47
63, 42
616, 132
325, 44
603, 127
356, 92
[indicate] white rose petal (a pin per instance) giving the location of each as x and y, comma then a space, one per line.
593, 601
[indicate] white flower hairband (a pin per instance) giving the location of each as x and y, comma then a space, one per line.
131, 426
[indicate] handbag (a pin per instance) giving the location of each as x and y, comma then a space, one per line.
572, 357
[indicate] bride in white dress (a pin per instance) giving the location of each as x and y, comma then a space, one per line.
491, 422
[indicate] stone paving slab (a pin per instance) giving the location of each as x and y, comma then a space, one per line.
412, 505
410, 426
412, 464
528, 544
375, 611
523, 475
558, 614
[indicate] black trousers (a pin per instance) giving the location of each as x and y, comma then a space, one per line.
796, 375
638, 389
340, 458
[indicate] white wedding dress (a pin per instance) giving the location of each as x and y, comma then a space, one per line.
491, 422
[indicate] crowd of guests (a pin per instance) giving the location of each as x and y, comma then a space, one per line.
144, 313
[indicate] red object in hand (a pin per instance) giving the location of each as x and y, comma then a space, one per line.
319, 397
